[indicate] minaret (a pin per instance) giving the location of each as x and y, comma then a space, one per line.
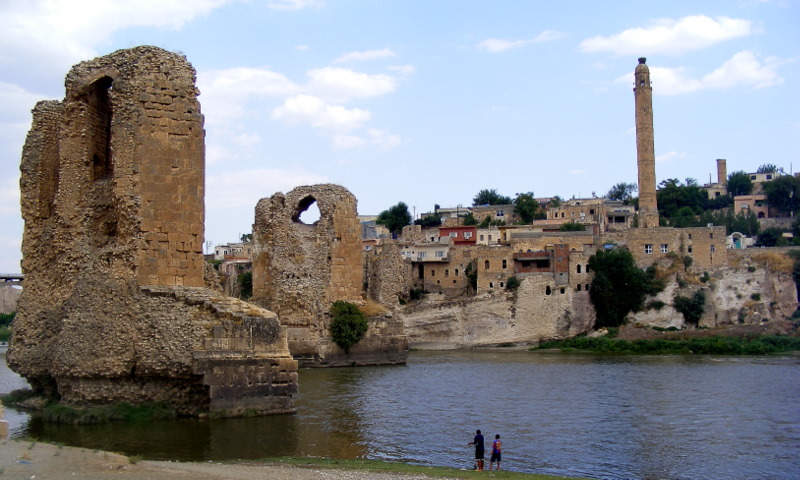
722, 171
645, 149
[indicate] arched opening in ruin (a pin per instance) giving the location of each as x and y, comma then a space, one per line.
307, 211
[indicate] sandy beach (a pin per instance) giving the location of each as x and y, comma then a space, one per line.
34, 460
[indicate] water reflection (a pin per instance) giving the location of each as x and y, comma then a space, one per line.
614, 417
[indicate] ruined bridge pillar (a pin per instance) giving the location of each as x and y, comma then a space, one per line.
115, 306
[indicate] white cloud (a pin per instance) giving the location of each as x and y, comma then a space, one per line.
670, 37
225, 94
383, 139
670, 156
315, 112
245, 188
496, 45
302, 48
294, 4
402, 70
577, 172
342, 84
366, 55
51, 35
742, 69
342, 142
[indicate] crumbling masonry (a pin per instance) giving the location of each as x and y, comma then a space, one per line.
300, 269
114, 306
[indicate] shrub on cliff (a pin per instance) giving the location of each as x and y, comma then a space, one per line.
691, 308
348, 326
619, 286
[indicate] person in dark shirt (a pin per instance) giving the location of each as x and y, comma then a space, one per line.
478, 442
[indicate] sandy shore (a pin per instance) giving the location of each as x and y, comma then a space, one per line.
33, 460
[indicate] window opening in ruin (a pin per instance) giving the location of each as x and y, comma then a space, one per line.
456, 272
486, 265
587, 287
99, 103
579, 287
505, 263
421, 271
501, 284
547, 290
562, 290
579, 268
491, 284
307, 211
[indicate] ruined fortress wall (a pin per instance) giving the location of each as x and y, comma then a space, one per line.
112, 197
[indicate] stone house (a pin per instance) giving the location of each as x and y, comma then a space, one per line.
460, 235
751, 203
495, 213
705, 245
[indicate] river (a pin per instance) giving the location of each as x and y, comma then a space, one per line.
584, 415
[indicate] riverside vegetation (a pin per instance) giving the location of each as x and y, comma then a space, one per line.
715, 345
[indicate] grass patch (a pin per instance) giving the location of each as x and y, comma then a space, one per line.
715, 345
59, 413
376, 466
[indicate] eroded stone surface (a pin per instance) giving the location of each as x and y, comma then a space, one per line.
114, 306
300, 269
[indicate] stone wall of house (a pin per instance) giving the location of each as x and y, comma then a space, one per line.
495, 265
300, 270
446, 277
8, 299
114, 306
706, 245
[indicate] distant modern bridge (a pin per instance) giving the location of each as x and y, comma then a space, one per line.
11, 279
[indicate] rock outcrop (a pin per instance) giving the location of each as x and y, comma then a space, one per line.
114, 306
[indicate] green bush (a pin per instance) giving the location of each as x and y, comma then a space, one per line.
512, 283
5, 334
246, 284
348, 326
656, 305
708, 346
755, 297
705, 278
691, 308
751, 269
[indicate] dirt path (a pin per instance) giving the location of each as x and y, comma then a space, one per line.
41, 461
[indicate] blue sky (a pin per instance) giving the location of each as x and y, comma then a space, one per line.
429, 102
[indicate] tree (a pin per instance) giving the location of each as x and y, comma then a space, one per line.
469, 219
767, 168
526, 207
247, 237
619, 286
772, 237
783, 193
555, 202
395, 218
348, 325
490, 197
245, 284
622, 191
739, 183
429, 221
672, 196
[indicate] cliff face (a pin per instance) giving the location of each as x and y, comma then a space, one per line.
756, 289
529, 315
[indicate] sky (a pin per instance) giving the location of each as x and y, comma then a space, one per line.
428, 102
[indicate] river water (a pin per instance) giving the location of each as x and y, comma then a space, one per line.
582, 415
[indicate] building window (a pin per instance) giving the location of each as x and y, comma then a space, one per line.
446, 272
563, 290
587, 287
690, 236
500, 213
433, 273
491, 285
591, 212
547, 290
456, 272
439, 254
711, 235
486, 265
664, 248
453, 234
579, 287
505, 263
689, 248
752, 177
712, 249
467, 234
501, 284
769, 177
490, 239
648, 249
421, 254
579, 268
481, 238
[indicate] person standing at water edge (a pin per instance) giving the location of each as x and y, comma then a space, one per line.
496, 448
478, 442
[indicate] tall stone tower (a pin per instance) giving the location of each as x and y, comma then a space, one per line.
645, 149
722, 171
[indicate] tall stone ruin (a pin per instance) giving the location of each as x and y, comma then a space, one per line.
115, 306
300, 270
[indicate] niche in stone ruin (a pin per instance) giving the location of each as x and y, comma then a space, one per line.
307, 211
